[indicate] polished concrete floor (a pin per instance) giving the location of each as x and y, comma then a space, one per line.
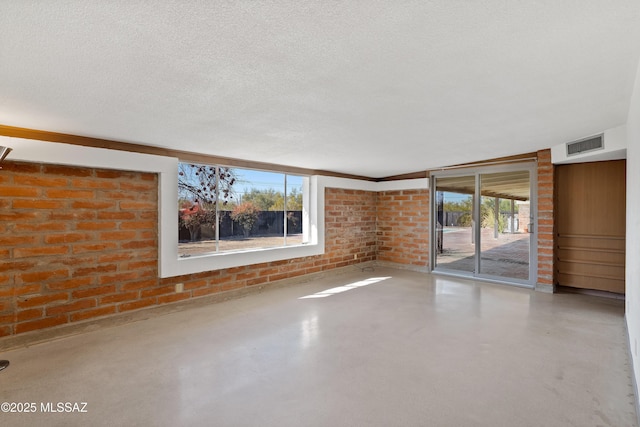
374, 348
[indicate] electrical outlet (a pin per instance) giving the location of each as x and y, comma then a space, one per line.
179, 287
355, 256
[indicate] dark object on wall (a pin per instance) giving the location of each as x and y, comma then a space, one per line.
4, 152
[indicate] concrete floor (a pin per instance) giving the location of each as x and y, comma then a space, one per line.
386, 348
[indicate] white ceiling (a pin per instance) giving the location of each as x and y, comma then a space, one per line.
372, 88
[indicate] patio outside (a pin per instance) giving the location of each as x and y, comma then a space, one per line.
505, 256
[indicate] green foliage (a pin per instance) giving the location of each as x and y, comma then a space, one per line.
272, 200
488, 215
263, 199
487, 212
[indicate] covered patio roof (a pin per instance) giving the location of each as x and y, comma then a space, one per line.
505, 185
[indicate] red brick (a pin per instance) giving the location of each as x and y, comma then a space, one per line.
75, 215
37, 300
20, 167
40, 251
115, 257
141, 284
138, 186
76, 260
70, 194
14, 240
124, 195
19, 192
20, 290
5, 331
30, 314
195, 285
39, 276
95, 225
120, 297
93, 247
118, 235
116, 215
127, 306
137, 225
74, 306
67, 237
66, 170
142, 265
41, 226
93, 183
74, 283
139, 244
40, 181
138, 206
117, 278
40, 324
149, 234
206, 291
105, 268
111, 174
93, 204
152, 215
173, 298
38, 204
145, 293
93, 292
89, 314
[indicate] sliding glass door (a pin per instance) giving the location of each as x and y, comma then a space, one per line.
454, 223
483, 226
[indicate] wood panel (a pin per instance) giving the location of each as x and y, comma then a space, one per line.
590, 220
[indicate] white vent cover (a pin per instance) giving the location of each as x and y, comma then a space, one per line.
590, 144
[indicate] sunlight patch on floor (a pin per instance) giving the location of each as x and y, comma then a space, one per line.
344, 288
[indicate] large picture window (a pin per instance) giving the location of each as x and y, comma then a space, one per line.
224, 209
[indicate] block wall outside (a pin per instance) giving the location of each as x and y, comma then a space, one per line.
403, 228
79, 243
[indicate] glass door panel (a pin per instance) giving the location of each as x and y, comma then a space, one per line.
454, 225
504, 225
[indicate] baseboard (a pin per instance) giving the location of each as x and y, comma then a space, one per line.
592, 292
545, 288
36, 337
399, 266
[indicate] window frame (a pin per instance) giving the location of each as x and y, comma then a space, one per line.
172, 265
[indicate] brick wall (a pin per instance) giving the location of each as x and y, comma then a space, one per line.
350, 226
403, 228
79, 243
545, 219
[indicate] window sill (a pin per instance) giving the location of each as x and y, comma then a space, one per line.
222, 260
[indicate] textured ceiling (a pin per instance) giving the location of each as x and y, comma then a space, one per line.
373, 88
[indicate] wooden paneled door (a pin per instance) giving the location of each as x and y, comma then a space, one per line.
590, 218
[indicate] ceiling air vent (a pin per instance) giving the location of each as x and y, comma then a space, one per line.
579, 147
